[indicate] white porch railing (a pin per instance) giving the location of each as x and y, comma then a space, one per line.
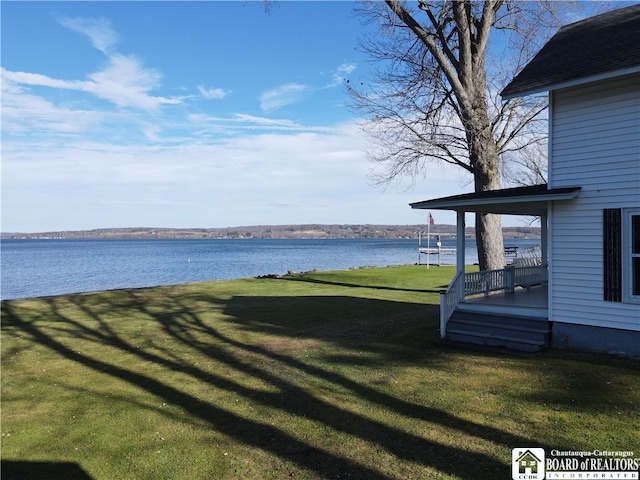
528, 276
449, 300
484, 282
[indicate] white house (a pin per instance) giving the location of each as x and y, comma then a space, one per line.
586, 292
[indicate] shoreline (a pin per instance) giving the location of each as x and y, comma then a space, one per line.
265, 232
290, 273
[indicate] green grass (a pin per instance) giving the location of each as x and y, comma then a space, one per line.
313, 376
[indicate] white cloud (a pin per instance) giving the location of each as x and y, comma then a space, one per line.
304, 177
124, 82
127, 84
99, 31
341, 73
268, 122
290, 93
242, 123
23, 112
152, 132
346, 68
25, 78
284, 95
212, 93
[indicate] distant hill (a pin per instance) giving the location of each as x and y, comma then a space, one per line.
268, 231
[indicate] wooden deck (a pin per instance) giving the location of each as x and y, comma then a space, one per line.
533, 301
523, 297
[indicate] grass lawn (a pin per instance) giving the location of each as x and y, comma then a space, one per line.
321, 375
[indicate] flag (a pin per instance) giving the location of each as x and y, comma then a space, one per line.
431, 220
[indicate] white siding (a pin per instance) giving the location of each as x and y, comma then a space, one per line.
595, 144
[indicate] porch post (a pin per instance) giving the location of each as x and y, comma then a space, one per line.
460, 248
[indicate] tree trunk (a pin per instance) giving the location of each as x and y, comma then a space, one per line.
490, 243
488, 226
483, 158
483, 153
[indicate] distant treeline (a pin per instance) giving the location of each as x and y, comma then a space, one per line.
269, 231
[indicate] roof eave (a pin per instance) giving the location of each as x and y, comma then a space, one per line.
568, 83
534, 204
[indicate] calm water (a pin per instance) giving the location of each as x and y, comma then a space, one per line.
33, 268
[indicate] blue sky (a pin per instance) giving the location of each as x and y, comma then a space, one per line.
190, 114
203, 114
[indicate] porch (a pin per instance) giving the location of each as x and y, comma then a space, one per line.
506, 307
512, 290
514, 317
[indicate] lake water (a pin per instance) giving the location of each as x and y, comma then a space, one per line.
33, 268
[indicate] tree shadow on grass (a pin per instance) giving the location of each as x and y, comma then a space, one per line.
308, 279
266, 437
589, 383
23, 470
378, 325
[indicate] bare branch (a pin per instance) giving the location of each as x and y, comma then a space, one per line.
433, 99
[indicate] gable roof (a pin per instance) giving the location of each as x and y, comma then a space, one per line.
530, 200
596, 46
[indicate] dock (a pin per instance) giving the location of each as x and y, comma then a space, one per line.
428, 251
510, 252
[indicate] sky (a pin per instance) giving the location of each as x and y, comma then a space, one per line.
190, 114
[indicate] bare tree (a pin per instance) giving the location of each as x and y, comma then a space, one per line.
434, 96
527, 166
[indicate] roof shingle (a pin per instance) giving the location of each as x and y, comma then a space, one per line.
597, 45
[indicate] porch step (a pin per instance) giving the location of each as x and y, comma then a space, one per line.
515, 332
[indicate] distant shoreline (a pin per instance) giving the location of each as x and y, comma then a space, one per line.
266, 232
